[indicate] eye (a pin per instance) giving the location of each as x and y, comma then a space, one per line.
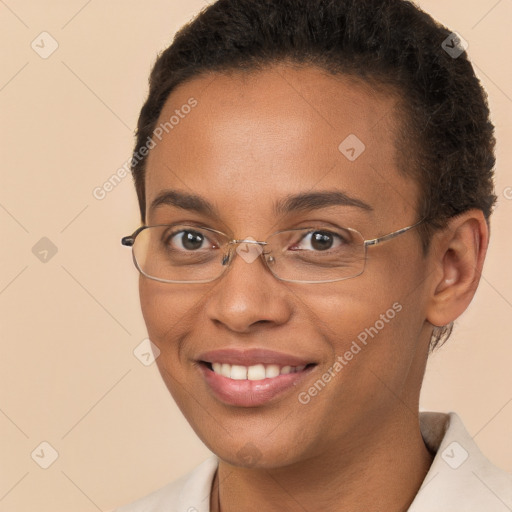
321, 240
187, 240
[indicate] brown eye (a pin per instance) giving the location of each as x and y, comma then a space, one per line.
187, 240
320, 240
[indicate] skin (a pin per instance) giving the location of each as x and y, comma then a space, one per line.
253, 139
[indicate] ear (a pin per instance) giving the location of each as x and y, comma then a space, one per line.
458, 256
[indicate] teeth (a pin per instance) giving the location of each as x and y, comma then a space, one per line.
272, 370
238, 372
255, 372
226, 370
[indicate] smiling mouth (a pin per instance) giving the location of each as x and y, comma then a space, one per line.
254, 372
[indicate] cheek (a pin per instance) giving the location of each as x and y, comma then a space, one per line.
154, 306
165, 309
165, 316
345, 308
371, 324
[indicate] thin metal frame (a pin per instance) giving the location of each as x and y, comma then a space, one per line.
129, 241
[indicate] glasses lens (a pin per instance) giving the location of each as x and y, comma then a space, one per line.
179, 253
316, 254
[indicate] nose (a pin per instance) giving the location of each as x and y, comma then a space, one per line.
248, 294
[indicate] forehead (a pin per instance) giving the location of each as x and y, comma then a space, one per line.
252, 137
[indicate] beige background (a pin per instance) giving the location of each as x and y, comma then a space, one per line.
68, 375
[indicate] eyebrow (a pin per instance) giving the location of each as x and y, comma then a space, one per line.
303, 202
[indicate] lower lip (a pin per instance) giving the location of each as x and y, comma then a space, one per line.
250, 393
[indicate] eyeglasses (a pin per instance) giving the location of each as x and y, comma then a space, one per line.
183, 253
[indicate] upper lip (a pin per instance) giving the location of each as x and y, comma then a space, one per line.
252, 356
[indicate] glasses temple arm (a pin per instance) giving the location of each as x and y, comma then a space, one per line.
389, 236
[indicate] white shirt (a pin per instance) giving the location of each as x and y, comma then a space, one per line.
460, 478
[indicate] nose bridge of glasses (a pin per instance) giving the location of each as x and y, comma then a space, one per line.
228, 257
246, 241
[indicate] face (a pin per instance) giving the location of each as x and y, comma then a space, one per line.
250, 141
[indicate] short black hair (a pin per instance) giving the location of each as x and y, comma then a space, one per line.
445, 141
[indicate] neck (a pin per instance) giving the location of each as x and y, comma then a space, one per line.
378, 469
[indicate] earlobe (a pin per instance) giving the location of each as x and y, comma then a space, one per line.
458, 261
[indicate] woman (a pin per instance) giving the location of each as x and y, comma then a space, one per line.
315, 187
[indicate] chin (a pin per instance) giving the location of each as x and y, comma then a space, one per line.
253, 454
